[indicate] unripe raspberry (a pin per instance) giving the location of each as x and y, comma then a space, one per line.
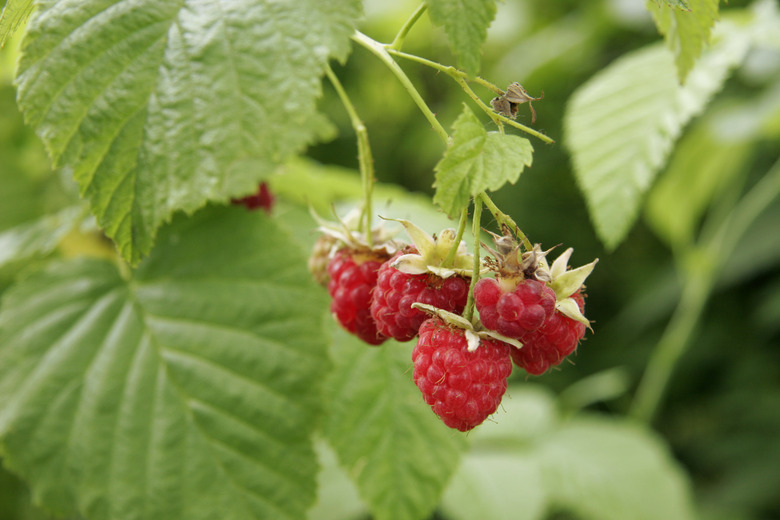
463, 388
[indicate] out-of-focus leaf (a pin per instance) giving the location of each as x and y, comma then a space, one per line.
703, 165
686, 31
399, 454
39, 237
530, 460
611, 470
15, 13
337, 498
161, 107
197, 378
620, 126
466, 23
477, 161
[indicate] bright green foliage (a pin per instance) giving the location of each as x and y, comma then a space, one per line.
39, 237
620, 125
532, 460
188, 391
466, 23
679, 4
476, 161
15, 13
703, 165
399, 454
171, 105
686, 32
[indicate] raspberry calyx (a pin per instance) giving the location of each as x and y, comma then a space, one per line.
423, 273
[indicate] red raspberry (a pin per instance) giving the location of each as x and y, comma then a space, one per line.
551, 343
515, 313
352, 278
463, 388
261, 199
396, 291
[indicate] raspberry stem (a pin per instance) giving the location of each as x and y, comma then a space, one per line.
381, 52
365, 158
464, 219
461, 78
505, 220
468, 311
398, 41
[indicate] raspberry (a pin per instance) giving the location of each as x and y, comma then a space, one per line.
551, 343
261, 199
396, 291
352, 279
517, 312
463, 388
320, 258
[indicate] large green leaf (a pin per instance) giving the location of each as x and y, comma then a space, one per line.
476, 161
396, 450
466, 23
686, 31
620, 126
187, 390
163, 106
532, 460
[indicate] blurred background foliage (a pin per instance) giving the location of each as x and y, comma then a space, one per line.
721, 411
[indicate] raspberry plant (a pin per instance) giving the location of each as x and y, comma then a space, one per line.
167, 347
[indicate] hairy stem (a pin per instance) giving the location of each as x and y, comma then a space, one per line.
464, 219
468, 312
398, 42
381, 52
505, 220
365, 159
461, 78
699, 283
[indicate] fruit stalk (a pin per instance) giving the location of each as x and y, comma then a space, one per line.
365, 158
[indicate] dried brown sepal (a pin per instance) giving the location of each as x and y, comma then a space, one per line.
507, 104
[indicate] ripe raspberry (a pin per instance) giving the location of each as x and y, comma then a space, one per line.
552, 342
396, 291
463, 388
516, 312
261, 199
352, 278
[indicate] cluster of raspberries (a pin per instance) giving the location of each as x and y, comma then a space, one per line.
461, 369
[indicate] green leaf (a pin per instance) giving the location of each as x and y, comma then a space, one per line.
477, 161
531, 460
611, 470
466, 23
38, 237
161, 107
703, 166
620, 126
188, 391
686, 32
15, 13
394, 448
679, 4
